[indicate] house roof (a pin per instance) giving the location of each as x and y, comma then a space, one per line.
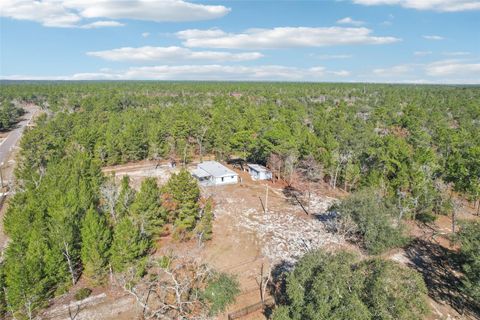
257, 167
215, 169
199, 173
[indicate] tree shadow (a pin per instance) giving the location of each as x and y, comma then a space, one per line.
291, 194
440, 269
278, 285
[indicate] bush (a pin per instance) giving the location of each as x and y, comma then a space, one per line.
337, 286
82, 293
220, 292
375, 220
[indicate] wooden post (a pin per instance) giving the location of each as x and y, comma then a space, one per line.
266, 200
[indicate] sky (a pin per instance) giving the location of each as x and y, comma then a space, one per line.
388, 41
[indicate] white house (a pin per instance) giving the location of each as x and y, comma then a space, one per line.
258, 172
212, 173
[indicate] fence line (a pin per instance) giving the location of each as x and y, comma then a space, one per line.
249, 309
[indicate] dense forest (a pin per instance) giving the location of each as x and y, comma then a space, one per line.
9, 113
401, 150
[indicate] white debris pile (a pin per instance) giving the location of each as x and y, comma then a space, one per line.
286, 237
320, 204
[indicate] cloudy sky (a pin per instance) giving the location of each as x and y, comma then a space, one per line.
415, 41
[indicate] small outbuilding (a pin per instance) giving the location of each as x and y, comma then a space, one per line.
213, 173
258, 172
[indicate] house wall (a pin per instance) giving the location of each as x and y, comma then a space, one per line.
226, 180
262, 175
266, 175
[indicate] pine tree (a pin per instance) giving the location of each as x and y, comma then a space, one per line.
147, 210
204, 226
125, 197
96, 239
26, 281
128, 245
183, 189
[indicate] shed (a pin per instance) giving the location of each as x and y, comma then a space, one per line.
214, 173
259, 172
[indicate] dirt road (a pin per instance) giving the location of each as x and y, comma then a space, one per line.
6, 146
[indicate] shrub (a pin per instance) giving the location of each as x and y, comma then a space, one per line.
375, 220
337, 286
220, 292
82, 293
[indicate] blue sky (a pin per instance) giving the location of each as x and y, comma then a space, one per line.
415, 41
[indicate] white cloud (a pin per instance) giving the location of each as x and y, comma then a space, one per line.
101, 24
433, 37
435, 5
148, 53
456, 53
441, 72
350, 21
69, 13
455, 68
281, 37
152, 10
393, 71
48, 13
331, 56
205, 72
422, 53
145, 34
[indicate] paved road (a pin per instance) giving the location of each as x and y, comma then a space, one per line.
6, 146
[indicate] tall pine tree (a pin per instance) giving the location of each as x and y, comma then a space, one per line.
147, 210
125, 198
183, 190
96, 240
128, 245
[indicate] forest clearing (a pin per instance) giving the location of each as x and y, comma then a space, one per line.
108, 217
239, 160
246, 238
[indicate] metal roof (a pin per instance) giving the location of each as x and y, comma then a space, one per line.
257, 167
216, 169
199, 173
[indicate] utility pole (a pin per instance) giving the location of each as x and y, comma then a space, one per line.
266, 200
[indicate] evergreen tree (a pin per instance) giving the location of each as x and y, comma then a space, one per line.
96, 238
125, 198
147, 210
469, 237
26, 282
204, 225
338, 286
183, 190
128, 245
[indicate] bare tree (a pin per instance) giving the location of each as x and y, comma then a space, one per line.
170, 290
199, 138
275, 164
311, 172
72, 267
457, 205
290, 165
264, 280
110, 193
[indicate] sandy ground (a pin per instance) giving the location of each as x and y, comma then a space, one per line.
246, 236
